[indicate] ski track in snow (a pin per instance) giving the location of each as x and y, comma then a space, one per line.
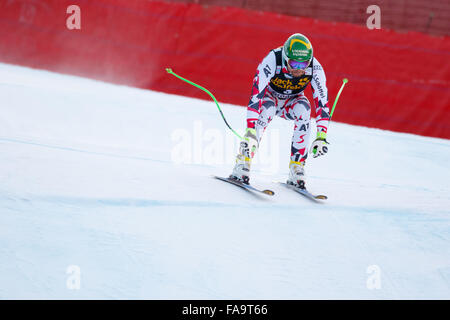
87, 179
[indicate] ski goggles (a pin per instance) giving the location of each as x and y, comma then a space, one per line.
302, 65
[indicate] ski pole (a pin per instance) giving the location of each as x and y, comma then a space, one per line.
344, 81
169, 71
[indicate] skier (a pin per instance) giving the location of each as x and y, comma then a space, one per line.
278, 87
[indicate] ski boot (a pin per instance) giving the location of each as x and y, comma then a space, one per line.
241, 170
297, 174
247, 149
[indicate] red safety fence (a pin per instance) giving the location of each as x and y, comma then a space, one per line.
398, 82
427, 16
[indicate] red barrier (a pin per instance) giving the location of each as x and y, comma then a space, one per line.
397, 81
432, 17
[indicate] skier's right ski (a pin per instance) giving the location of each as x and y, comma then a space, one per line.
305, 192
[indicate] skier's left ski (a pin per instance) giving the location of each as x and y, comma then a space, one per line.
305, 192
245, 186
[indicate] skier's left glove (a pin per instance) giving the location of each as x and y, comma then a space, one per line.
319, 146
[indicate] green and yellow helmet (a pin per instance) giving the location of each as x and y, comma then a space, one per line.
298, 48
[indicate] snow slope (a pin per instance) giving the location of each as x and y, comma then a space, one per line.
116, 181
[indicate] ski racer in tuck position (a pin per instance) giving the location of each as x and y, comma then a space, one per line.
278, 87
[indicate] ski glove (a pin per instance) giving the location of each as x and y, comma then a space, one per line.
319, 146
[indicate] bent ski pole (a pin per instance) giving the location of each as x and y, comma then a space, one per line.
169, 71
344, 81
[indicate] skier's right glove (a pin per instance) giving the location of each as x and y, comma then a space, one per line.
319, 146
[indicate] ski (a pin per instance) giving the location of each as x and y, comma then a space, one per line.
305, 192
245, 186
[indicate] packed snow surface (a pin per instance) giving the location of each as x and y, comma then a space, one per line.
106, 193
